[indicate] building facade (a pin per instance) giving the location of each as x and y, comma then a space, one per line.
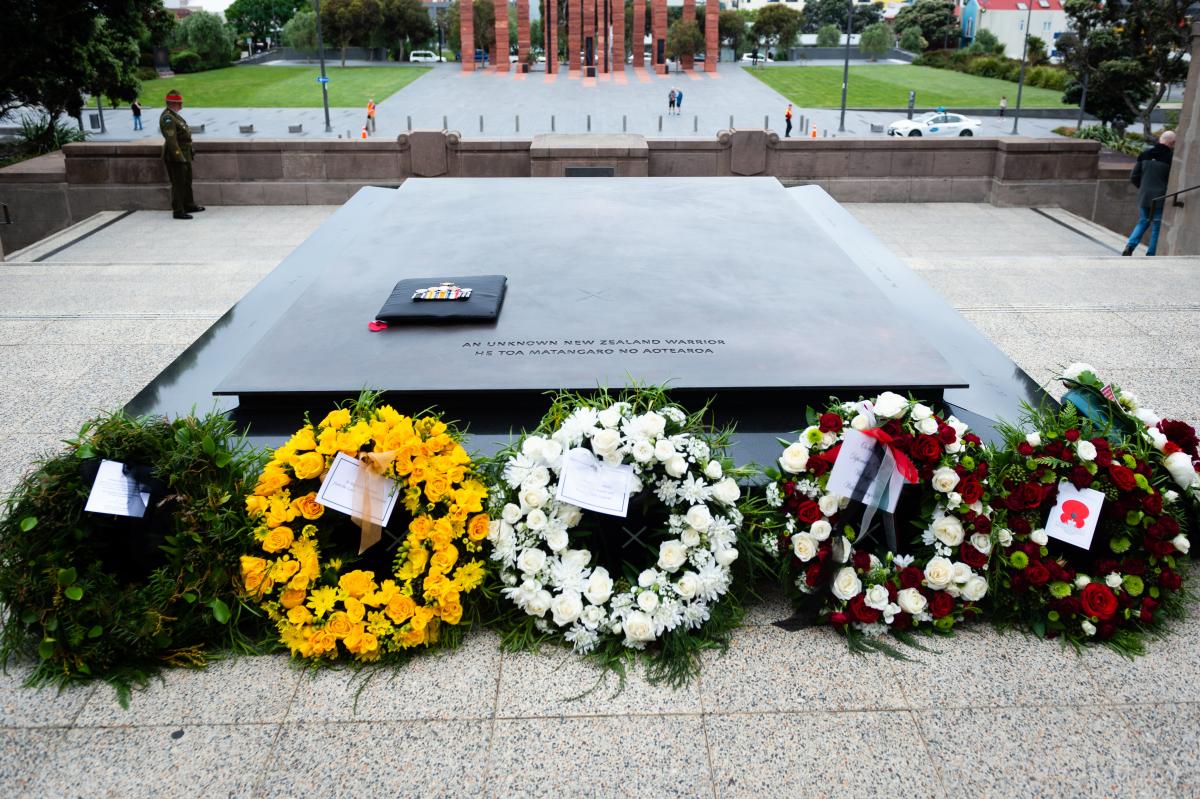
1006, 19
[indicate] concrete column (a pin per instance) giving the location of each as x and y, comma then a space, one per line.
500, 50
659, 30
522, 32
618, 34
601, 34
712, 36
589, 32
466, 30
550, 26
689, 12
574, 32
638, 33
1182, 233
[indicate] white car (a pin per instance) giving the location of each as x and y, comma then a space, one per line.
935, 123
749, 58
424, 57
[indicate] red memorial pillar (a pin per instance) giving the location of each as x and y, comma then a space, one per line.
522, 32
659, 30
618, 35
500, 49
550, 28
589, 32
466, 31
602, 35
688, 61
574, 32
637, 36
712, 35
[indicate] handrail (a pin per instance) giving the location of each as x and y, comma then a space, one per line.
1177, 204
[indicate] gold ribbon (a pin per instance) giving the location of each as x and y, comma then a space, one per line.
365, 499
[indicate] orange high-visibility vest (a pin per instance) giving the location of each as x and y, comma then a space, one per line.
370, 108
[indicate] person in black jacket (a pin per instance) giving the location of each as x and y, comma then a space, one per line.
1150, 175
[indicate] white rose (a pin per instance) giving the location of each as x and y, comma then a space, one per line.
566, 608
1081, 580
533, 497
557, 539
1179, 464
610, 417
688, 585
652, 424
606, 441
552, 452
676, 466
643, 451
639, 628
539, 603
911, 601
860, 422
962, 572
828, 503
569, 515
889, 405
1073, 371
974, 589
713, 470
1088, 627
794, 458
1181, 543
511, 513
846, 584
664, 450
939, 572
945, 479
876, 597
1004, 537
592, 616
1086, 450
699, 517
982, 543
647, 601
922, 412
1159, 440
647, 578
726, 556
820, 530
599, 587
948, 530
1113, 580
1039, 537
1034, 439
536, 519
928, 426
671, 555
1147, 417
804, 547
532, 447
578, 558
727, 491
1169, 497
532, 560
537, 478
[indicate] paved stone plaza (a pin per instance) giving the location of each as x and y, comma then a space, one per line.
633, 98
84, 325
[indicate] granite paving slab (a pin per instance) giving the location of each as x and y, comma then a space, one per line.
22, 706
1167, 737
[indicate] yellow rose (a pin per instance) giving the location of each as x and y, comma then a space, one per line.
418, 557
421, 617
412, 637
279, 510
271, 480
284, 569
477, 528
357, 583
290, 598
308, 465
437, 487
400, 608
304, 439
421, 527
322, 641
450, 609
354, 609
278, 539
387, 590
256, 505
253, 571
308, 507
443, 560
299, 615
436, 585
339, 624
339, 418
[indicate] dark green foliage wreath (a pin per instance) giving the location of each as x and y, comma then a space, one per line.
95, 596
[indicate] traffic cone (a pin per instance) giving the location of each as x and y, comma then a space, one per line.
814, 130
364, 132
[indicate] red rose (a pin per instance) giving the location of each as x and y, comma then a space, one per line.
819, 464
940, 604
1182, 435
1103, 458
1170, 580
862, 560
1098, 600
830, 423
946, 434
970, 490
838, 619
911, 577
972, 556
1122, 477
1020, 525
1025, 449
901, 621
1106, 630
1080, 477
860, 612
1037, 573
926, 448
971, 438
1152, 503
1071, 435
808, 512
1025, 496
812, 574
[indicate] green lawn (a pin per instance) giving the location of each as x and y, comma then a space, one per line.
887, 86
282, 87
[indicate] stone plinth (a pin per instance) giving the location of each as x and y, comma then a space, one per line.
555, 154
1182, 232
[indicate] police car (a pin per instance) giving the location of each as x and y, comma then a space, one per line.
935, 123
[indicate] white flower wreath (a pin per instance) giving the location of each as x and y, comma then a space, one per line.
550, 579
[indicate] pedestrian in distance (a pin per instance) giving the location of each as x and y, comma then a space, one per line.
678, 101
1003, 105
787, 118
1150, 175
136, 107
371, 115
671, 101
177, 154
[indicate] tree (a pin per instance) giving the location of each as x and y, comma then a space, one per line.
819, 13
935, 18
262, 18
777, 25
912, 41
1035, 50
986, 43
347, 21
206, 35
829, 36
300, 32
405, 23
876, 40
732, 30
684, 38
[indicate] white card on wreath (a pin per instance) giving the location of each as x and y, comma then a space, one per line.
342, 490
1073, 517
857, 454
588, 482
117, 493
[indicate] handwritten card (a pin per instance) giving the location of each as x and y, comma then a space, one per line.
117, 493
1073, 517
866, 472
590, 483
355, 490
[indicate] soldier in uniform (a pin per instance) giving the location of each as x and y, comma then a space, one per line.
177, 154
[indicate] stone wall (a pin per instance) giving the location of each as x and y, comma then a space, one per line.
45, 196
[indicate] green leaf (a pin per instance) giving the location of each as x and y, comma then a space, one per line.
28, 523
209, 446
46, 649
52, 623
220, 611
74, 593
223, 458
83, 669
96, 631
66, 576
29, 617
189, 597
85, 452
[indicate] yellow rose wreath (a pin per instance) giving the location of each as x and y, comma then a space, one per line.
425, 569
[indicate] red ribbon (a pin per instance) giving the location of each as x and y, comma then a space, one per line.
903, 465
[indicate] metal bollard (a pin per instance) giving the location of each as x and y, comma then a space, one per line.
660, 123
589, 129
481, 123
552, 123
825, 133
624, 125
731, 121
518, 123
766, 121
445, 126
410, 122
695, 123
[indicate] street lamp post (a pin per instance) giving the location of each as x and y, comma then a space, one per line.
1024, 53
846, 64
1083, 91
324, 80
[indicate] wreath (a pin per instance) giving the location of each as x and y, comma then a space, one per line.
94, 594
856, 579
611, 584
327, 594
1128, 578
